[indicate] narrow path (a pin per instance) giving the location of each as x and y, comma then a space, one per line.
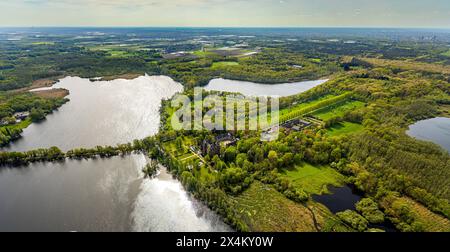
316, 224
200, 157
186, 158
203, 160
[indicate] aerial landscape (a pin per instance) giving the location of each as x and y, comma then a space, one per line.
182, 127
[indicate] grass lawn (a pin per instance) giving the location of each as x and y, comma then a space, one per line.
224, 64
314, 179
264, 209
339, 110
177, 152
344, 128
22, 125
310, 107
205, 175
186, 157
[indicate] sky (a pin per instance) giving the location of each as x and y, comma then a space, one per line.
227, 13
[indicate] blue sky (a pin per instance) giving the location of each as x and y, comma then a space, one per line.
228, 13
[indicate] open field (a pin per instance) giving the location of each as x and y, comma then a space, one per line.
179, 151
43, 43
52, 93
303, 105
224, 64
264, 209
304, 109
203, 54
408, 65
118, 51
22, 125
337, 111
344, 128
447, 53
120, 54
313, 179
41, 83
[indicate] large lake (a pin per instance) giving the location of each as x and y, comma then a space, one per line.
436, 130
99, 194
255, 89
101, 113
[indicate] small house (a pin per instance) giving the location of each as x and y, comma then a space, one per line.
21, 115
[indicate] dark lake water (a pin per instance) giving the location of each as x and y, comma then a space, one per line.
99, 194
345, 198
255, 89
339, 199
436, 130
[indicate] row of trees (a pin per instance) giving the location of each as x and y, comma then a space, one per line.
327, 102
55, 154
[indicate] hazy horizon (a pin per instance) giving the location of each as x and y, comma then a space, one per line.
231, 27
432, 14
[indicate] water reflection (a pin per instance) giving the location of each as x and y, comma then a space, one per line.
99, 194
436, 130
256, 89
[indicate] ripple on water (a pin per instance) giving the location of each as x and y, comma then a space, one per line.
99, 194
153, 212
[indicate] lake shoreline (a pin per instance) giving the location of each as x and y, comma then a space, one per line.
434, 130
37, 162
248, 88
